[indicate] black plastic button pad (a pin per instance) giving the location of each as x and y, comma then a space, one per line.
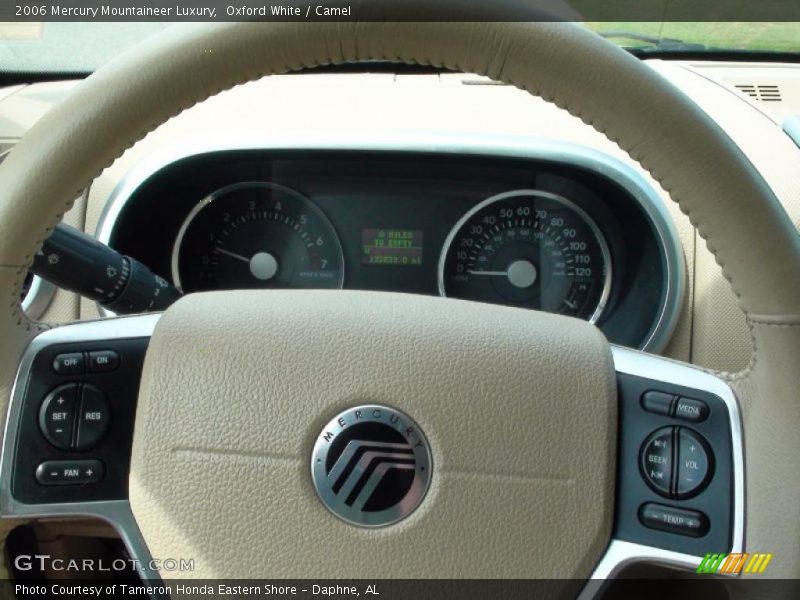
658, 402
103, 412
698, 457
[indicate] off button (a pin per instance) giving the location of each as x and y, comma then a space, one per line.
656, 460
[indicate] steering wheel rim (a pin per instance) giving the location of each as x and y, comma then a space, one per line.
727, 201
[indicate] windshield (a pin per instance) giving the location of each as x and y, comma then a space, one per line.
55, 47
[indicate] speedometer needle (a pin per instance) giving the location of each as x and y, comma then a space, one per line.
493, 273
233, 255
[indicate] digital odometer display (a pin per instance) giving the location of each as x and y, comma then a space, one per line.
391, 247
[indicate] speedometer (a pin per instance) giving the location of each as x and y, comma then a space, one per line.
256, 235
531, 249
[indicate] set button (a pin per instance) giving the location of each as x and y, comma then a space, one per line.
57, 415
670, 405
74, 417
676, 462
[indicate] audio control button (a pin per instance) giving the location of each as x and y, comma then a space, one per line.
656, 460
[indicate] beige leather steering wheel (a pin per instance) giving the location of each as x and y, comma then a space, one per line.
237, 386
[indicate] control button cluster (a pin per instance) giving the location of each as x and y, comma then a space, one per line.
669, 405
74, 416
676, 462
69, 472
76, 363
673, 520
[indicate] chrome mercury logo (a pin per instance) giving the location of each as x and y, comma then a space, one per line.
371, 465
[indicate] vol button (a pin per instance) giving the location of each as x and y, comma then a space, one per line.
695, 464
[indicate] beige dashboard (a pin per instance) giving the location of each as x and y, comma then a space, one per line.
749, 101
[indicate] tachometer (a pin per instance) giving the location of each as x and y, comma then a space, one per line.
256, 235
531, 249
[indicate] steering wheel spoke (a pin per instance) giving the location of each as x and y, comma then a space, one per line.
67, 445
680, 467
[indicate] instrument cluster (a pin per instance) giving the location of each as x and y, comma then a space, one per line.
528, 232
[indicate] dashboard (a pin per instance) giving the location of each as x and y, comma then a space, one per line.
552, 227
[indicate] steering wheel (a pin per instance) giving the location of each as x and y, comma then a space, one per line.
530, 423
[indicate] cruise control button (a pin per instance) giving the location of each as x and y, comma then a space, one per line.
57, 415
69, 472
673, 520
691, 410
659, 403
69, 364
103, 360
94, 418
695, 464
656, 460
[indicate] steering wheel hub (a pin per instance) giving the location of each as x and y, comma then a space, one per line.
518, 410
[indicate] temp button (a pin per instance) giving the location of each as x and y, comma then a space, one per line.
681, 521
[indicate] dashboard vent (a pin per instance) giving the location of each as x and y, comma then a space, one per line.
762, 93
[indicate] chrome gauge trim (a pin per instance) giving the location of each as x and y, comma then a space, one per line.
618, 555
607, 274
38, 298
176, 246
115, 512
501, 146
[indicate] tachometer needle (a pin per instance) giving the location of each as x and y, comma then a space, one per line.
233, 255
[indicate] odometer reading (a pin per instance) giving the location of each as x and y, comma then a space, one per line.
391, 247
256, 235
530, 249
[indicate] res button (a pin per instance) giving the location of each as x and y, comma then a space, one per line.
94, 418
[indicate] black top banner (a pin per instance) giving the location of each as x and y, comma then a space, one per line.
405, 10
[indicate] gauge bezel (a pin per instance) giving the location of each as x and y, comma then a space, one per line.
604, 248
223, 191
